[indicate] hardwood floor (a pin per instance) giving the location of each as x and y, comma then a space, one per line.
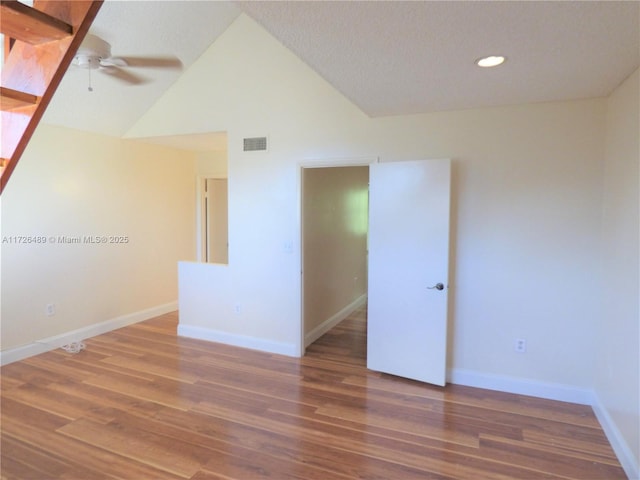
141, 403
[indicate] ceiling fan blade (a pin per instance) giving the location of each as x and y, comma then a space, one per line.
113, 62
149, 62
123, 75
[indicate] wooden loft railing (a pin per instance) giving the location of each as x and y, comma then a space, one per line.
44, 40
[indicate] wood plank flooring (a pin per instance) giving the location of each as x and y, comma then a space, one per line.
141, 403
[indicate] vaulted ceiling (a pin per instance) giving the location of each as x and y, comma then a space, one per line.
387, 57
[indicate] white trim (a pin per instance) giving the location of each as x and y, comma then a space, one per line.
337, 162
51, 343
617, 441
254, 343
554, 391
534, 388
333, 320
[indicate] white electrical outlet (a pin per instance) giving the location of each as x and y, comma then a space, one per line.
50, 309
520, 345
237, 309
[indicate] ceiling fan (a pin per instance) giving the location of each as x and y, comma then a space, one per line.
95, 54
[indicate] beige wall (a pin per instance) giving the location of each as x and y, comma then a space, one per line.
335, 211
76, 184
212, 164
217, 220
618, 353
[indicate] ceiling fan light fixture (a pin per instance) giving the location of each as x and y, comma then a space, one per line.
89, 62
490, 61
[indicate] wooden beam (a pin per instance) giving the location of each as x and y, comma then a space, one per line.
25, 23
11, 99
7, 44
54, 61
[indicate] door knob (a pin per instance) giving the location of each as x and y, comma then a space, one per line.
437, 286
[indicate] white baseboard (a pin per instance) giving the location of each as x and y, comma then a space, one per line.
534, 388
333, 320
51, 343
617, 441
254, 343
554, 391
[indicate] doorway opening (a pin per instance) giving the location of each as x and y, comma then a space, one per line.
212, 207
405, 262
215, 221
335, 203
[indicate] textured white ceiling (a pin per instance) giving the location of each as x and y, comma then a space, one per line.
410, 57
388, 57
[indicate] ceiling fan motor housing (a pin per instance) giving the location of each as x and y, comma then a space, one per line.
95, 54
91, 52
85, 61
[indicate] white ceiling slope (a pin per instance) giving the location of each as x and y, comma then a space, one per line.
388, 57
184, 29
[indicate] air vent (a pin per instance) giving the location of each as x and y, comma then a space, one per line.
255, 144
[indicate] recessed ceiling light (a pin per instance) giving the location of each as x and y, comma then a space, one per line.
492, 61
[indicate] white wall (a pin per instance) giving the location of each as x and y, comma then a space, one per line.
526, 195
260, 89
527, 186
618, 353
527, 227
70, 183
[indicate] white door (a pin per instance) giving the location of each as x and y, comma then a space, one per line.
408, 258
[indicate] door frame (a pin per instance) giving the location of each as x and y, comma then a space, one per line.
315, 163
